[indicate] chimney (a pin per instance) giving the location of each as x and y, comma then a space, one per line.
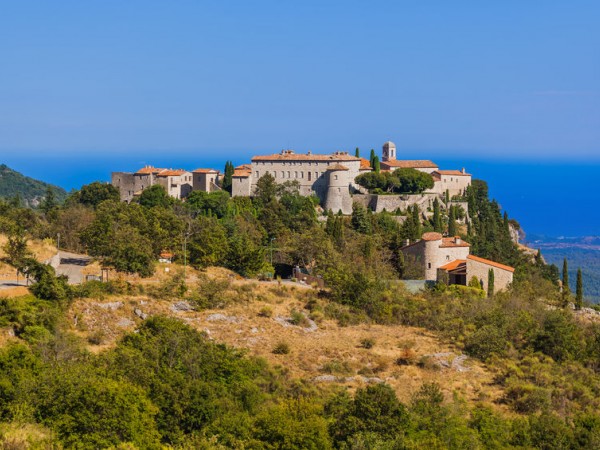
457, 240
406, 242
463, 170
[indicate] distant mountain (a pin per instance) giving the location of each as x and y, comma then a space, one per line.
581, 252
32, 191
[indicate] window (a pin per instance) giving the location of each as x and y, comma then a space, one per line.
316, 175
309, 174
296, 174
429, 265
301, 174
257, 174
447, 257
335, 177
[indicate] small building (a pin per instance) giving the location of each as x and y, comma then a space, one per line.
177, 183
205, 180
455, 182
448, 260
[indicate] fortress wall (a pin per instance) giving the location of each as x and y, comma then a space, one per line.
392, 202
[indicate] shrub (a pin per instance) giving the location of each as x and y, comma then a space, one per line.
265, 311
484, 342
367, 343
298, 319
282, 348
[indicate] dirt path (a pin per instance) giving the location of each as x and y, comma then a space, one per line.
71, 265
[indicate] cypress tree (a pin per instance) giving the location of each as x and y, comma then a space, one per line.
565, 278
372, 158
376, 164
357, 152
579, 292
437, 217
491, 282
228, 177
416, 220
452, 223
360, 219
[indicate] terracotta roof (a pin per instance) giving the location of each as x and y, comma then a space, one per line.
432, 236
171, 173
452, 242
410, 164
205, 171
148, 170
458, 173
289, 155
454, 264
335, 167
490, 263
166, 255
365, 164
436, 176
243, 171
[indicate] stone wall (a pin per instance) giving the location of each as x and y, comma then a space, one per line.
390, 203
502, 278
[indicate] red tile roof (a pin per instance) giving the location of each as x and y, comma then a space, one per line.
490, 263
148, 170
171, 173
452, 242
243, 171
289, 155
454, 264
432, 236
457, 173
335, 167
365, 164
410, 164
205, 171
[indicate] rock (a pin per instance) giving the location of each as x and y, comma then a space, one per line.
218, 317
324, 379
142, 315
124, 323
110, 305
181, 306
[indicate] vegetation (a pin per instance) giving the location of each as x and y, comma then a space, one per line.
14, 185
400, 181
167, 384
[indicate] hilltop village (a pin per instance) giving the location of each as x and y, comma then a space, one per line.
333, 179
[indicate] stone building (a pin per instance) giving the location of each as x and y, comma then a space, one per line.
447, 260
178, 183
326, 176
455, 182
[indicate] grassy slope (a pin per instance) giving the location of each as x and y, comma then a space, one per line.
30, 190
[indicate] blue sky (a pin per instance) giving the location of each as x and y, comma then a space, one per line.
518, 79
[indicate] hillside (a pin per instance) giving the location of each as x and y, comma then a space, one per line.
31, 191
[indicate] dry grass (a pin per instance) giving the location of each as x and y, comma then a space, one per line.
42, 250
330, 349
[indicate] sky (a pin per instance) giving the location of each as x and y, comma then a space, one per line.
90, 87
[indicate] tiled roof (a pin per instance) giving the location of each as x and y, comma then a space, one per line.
431, 236
205, 171
454, 242
365, 164
243, 171
410, 164
148, 170
454, 264
335, 167
171, 173
490, 263
458, 173
289, 155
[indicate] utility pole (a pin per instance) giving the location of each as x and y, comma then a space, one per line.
58, 241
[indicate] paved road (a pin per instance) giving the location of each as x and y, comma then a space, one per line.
71, 265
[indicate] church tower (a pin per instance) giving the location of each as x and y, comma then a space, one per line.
389, 151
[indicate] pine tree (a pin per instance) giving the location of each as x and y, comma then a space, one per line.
437, 217
452, 223
491, 282
357, 152
565, 279
49, 202
360, 219
579, 292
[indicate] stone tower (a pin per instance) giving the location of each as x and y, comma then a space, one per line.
338, 192
389, 151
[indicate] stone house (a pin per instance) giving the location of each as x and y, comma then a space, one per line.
448, 260
177, 183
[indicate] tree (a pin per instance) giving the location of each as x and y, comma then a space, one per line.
376, 164
357, 152
491, 281
565, 279
49, 202
437, 216
360, 219
579, 292
95, 193
372, 158
155, 195
208, 245
228, 176
452, 222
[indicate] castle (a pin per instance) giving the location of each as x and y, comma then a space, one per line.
329, 177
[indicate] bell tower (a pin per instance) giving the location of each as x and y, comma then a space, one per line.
389, 151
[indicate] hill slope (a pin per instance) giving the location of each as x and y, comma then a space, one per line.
32, 191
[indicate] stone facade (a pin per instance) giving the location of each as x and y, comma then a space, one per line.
453, 181
178, 183
447, 260
479, 267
